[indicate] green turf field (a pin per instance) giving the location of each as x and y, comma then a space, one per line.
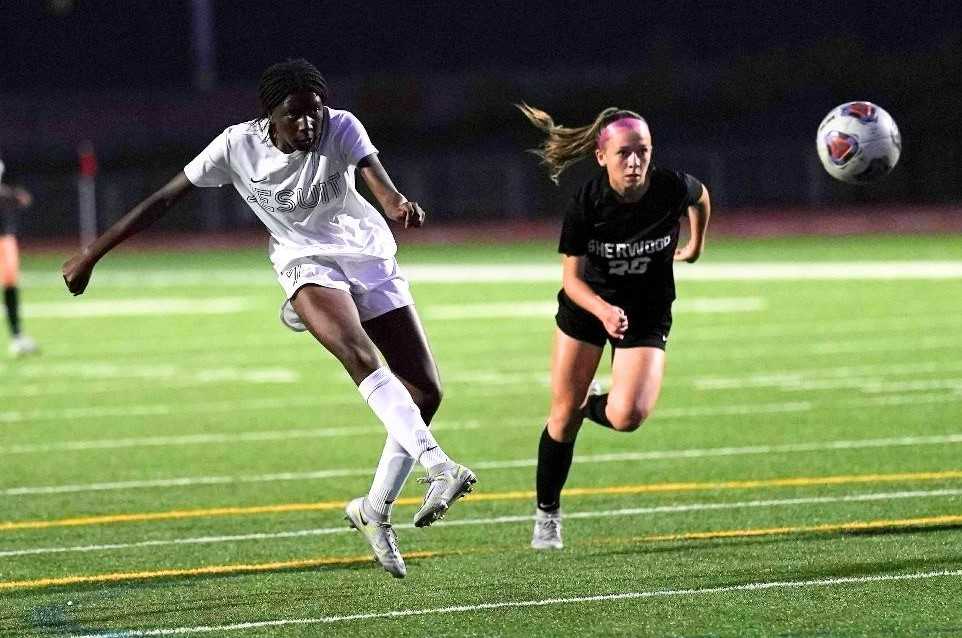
175, 462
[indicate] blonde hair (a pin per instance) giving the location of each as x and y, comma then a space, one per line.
566, 146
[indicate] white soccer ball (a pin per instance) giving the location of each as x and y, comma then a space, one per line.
858, 142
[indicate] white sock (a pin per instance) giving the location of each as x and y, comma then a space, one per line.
392, 471
392, 403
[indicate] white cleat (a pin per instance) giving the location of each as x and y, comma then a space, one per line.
290, 318
22, 345
444, 488
547, 530
380, 536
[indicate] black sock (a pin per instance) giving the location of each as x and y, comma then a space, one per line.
12, 302
554, 461
595, 410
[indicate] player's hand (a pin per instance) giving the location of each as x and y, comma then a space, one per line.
76, 273
408, 213
690, 252
615, 322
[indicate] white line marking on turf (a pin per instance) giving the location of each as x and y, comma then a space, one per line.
499, 520
206, 407
776, 378
137, 307
509, 309
534, 272
653, 455
544, 602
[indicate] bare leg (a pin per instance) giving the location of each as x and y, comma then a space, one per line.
636, 377
400, 338
573, 366
331, 316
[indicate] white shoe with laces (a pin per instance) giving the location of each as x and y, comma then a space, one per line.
380, 536
290, 318
22, 345
444, 488
547, 530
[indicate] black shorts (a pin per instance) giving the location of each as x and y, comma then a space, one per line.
647, 327
8, 222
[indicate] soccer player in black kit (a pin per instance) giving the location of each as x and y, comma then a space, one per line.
619, 240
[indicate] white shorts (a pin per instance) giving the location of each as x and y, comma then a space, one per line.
376, 284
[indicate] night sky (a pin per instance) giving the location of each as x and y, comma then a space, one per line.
105, 44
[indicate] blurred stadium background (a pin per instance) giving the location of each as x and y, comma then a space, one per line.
733, 91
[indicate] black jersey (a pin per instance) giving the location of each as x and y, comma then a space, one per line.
630, 247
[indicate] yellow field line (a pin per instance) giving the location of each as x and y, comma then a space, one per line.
857, 526
495, 496
211, 570
220, 570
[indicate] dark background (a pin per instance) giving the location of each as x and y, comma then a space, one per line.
733, 92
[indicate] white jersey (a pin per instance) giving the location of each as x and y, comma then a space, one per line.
307, 199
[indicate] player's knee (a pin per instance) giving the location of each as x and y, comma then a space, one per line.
358, 358
627, 419
564, 422
428, 399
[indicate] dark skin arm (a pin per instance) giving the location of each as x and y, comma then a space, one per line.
395, 205
77, 269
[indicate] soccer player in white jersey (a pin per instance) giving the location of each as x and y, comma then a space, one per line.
334, 257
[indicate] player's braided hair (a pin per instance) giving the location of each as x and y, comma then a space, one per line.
566, 146
281, 79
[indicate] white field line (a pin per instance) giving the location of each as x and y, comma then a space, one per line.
87, 308
282, 339
729, 349
533, 272
868, 378
518, 309
99, 370
868, 385
208, 407
620, 457
776, 378
211, 407
544, 602
208, 439
676, 508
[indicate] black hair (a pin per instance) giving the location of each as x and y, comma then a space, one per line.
281, 79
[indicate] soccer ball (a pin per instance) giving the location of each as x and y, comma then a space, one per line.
858, 142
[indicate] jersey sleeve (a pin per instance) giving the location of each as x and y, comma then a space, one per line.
694, 188
211, 167
353, 140
574, 230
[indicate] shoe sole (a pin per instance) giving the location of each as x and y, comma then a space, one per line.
427, 517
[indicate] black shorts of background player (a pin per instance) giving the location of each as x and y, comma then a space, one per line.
619, 241
12, 200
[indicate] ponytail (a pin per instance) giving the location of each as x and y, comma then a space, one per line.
566, 146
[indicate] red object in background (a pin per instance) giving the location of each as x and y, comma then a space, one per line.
88, 160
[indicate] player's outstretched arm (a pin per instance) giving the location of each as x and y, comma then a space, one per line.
395, 205
77, 269
698, 214
612, 317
